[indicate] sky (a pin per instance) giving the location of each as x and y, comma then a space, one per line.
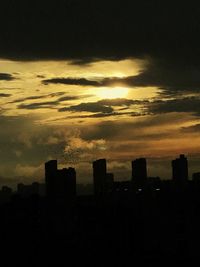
82, 80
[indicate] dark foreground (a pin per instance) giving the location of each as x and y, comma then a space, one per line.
155, 225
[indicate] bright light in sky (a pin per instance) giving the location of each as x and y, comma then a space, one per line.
116, 92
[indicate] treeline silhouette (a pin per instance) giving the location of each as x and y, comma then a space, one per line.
141, 220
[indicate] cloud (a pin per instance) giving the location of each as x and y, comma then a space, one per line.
172, 50
173, 77
165, 73
104, 107
192, 129
47, 104
118, 102
6, 77
100, 82
4, 95
31, 145
78, 143
40, 76
137, 128
29, 170
72, 81
97, 34
73, 97
35, 97
102, 115
89, 107
187, 104
86, 61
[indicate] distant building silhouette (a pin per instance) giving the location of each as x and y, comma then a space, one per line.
103, 181
196, 177
50, 177
109, 182
122, 186
84, 189
180, 169
5, 194
7, 190
60, 184
28, 190
139, 171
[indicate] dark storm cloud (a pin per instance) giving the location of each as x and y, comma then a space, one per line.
98, 29
47, 104
27, 98
68, 98
77, 81
116, 102
40, 76
35, 97
103, 115
172, 77
6, 77
73, 81
88, 107
4, 95
132, 130
86, 61
187, 104
104, 106
72, 97
192, 129
121, 102
165, 33
25, 142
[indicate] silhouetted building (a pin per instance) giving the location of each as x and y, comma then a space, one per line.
50, 177
154, 182
28, 190
121, 186
60, 184
180, 169
42, 189
6, 190
196, 177
100, 177
109, 182
139, 171
66, 183
5, 194
84, 189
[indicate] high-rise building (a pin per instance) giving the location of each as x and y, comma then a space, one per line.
60, 184
68, 182
51, 168
180, 169
139, 171
109, 182
100, 177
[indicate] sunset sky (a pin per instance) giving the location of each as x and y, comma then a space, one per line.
81, 81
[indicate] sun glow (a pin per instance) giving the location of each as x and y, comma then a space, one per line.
116, 92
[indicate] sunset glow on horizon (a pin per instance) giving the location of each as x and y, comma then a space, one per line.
50, 105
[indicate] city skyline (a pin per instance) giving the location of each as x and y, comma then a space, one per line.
143, 219
99, 132
77, 84
100, 172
